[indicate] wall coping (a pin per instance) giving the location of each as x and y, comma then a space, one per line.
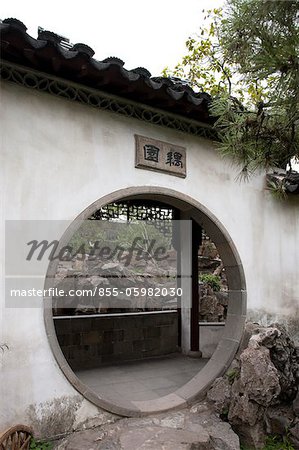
69, 90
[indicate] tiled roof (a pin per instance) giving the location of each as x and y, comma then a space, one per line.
49, 54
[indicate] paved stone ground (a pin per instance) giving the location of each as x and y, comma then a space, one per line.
143, 380
196, 428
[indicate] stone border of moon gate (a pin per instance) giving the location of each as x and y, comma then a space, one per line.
233, 330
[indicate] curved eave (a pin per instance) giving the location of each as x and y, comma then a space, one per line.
48, 56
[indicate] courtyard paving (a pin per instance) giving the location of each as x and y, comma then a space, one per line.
142, 380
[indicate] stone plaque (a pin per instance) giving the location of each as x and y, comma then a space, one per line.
160, 156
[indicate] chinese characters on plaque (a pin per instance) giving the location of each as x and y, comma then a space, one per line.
160, 156
151, 153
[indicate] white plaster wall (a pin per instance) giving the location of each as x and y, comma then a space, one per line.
58, 157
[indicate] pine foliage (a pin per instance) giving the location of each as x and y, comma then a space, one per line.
247, 57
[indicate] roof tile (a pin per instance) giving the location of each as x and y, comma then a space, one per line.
76, 63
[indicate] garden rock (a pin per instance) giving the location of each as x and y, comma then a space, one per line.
259, 378
296, 405
279, 419
220, 395
294, 434
195, 429
263, 398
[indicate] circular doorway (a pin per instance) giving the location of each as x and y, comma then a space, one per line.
197, 386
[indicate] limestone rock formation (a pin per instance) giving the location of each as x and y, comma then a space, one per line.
296, 405
259, 393
196, 428
220, 395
